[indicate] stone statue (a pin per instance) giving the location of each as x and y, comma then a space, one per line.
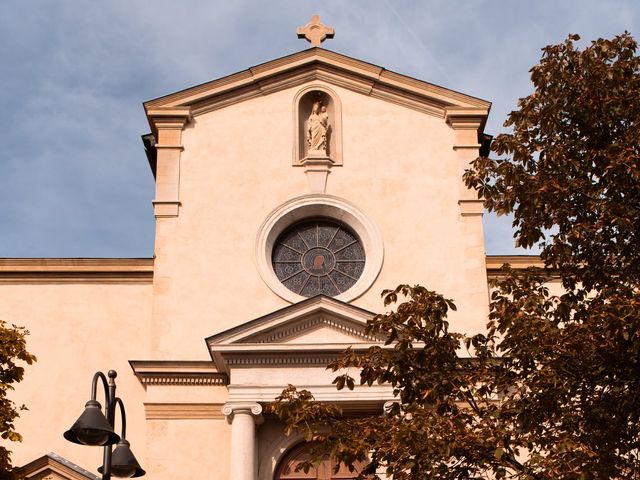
317, 126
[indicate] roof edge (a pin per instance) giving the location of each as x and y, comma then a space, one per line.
379, 77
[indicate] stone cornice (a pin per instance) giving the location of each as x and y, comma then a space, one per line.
183, 411
140, 270
467, 118
170, 114
318, 63
76, 270
361, 399
281, 355
228, 357
193, 373
168, 118
517, 262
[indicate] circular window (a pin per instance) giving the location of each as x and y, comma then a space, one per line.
318, 257
318, 244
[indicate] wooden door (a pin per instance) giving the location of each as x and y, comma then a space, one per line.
287, 468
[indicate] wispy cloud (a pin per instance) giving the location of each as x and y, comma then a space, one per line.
73, 177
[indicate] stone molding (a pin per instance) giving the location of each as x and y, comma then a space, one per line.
469, 208
319, 64
291, 358
264, 355
516, 261
76, 270
327, 206
140, 270
183, 411
184, 373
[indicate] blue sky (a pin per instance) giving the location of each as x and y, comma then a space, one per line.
73, 175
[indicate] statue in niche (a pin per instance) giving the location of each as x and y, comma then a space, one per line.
317, 128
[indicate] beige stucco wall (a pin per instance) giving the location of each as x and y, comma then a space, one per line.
75, 330
193, 449
399, 168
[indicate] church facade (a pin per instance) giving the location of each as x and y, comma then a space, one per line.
288, 196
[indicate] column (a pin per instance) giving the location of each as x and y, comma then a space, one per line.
243, 418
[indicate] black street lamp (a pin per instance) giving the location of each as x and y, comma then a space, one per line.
95, 429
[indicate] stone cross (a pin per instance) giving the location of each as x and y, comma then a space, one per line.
315, 31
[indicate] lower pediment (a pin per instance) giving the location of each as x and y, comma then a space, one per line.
54, 467
311, 332
317, 328
319, 317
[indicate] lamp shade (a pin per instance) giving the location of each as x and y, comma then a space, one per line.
92, 428
123, 462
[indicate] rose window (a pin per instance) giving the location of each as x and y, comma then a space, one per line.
316, 257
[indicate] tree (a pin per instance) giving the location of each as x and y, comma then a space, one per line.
550, 390
13, 349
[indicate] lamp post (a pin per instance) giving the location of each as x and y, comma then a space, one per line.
96, 429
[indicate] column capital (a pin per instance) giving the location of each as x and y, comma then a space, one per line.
231, 409
466, 118
468, 124
169, 117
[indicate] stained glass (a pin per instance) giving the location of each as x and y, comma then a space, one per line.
318, 257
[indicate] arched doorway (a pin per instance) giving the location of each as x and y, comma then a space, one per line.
287, 467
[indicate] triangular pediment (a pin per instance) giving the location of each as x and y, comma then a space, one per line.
319, 324
54, 467
321, 329
317, 64
319, 319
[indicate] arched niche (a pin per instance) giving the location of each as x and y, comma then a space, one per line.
302, 107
